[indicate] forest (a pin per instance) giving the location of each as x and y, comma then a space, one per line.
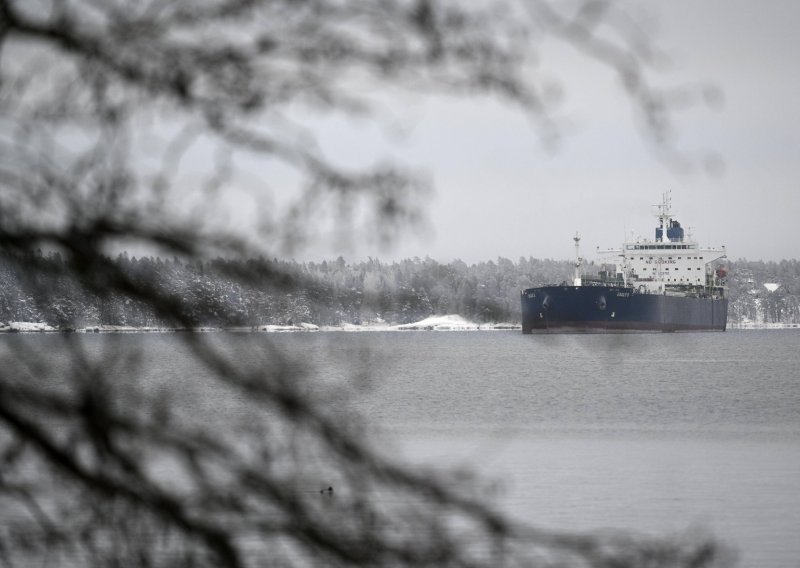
225, 293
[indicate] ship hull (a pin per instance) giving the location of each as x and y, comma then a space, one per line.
616, 309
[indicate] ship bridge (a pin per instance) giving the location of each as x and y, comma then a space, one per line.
670, 262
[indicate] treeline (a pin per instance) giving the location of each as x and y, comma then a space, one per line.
764, 292
261, 291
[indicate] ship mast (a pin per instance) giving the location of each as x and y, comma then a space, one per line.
576, 281
664, 214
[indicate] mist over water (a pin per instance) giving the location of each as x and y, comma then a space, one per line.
661, 433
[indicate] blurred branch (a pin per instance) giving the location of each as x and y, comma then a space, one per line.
601, 30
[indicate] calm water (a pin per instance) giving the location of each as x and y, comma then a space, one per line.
658, 433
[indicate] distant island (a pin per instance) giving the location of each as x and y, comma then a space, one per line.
277, 295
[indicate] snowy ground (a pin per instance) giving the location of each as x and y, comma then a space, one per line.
752, 325
451, 322
25, 326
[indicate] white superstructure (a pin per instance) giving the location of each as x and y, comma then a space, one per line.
672, 263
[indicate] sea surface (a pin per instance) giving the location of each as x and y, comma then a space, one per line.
657, 433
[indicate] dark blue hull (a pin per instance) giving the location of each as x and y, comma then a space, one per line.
616, 309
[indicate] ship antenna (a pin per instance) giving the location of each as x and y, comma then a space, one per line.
578, 260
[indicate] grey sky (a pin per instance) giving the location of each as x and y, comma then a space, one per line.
499, 193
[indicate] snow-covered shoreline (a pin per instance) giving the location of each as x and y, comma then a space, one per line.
451, 322
759, 326
434, 323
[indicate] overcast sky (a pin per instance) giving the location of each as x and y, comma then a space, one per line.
499, 193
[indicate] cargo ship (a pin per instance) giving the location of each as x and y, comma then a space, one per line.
667, 284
